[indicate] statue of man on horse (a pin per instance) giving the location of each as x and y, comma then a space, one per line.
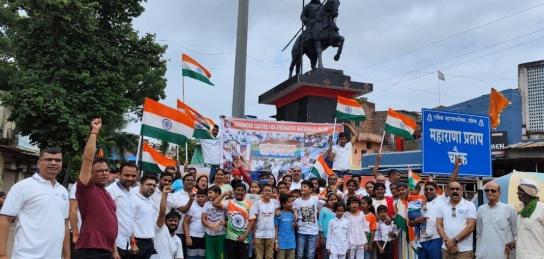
321, 32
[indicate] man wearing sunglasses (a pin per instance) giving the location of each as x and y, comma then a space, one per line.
495, 225
455, 222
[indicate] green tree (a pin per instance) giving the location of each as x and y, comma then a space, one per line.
67, 61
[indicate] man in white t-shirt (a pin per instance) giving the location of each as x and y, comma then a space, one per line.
296, 178
167, 244
144, 212
182, 202
341, 154
39, 206
121, 194
455, 222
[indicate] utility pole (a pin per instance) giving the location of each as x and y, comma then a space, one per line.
239, 91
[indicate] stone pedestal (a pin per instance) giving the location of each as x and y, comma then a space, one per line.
311, 97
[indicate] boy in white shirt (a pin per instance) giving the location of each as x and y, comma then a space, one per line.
193, 227
386, 233
337, 237
263, 212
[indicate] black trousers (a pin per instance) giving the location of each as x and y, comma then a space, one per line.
91, 254
145, 247
387, 251
236, 250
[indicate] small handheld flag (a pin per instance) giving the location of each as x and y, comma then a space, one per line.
349, 110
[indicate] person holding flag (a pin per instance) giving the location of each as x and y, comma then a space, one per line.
342, 152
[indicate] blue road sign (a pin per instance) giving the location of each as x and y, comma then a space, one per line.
448, 135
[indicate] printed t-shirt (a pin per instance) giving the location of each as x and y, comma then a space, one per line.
214, 216
238, 218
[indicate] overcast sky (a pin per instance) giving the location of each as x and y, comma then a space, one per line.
396, 45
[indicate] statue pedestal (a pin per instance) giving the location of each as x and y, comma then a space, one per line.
311, 97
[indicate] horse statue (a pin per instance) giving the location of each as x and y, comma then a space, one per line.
321, 32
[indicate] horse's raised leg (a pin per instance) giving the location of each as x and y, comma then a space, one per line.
340, 46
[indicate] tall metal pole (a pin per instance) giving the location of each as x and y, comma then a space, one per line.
239, 92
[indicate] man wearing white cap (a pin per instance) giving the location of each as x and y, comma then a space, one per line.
530, 240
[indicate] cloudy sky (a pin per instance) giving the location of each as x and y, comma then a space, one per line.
396, 45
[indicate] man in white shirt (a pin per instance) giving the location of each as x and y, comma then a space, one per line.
211, 151
455, 222
167, 244
296, 177
39, 206
182, 202
495, 225
121, 195
144, 212
341, 154
166, 178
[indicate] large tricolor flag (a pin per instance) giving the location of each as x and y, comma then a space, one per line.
400, 125
153, 161
349, 110
320, 169
204, 121
191, 68
165, 123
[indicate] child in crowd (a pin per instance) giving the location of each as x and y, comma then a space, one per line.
194, 229
285, 229
254, 192
239, 223
386, 233
213, 220
358, 227
415, 205
306, 209
326, 214
296, 193
368, 210
253, 196
337, 237
263, 212
282, 188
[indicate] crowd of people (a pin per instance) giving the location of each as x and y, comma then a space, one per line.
183, 215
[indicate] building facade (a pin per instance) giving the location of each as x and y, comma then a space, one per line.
531, 86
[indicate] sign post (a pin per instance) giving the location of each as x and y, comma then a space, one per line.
448, 135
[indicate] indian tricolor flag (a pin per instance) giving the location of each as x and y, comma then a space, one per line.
204, 121
153, 161
191, 68
320, 169
165, 123
349, 110
413, 179
399, 125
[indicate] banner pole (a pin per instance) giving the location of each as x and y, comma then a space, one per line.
381, 144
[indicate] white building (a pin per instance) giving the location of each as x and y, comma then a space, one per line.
531, 86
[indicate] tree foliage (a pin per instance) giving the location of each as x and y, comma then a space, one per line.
67, 61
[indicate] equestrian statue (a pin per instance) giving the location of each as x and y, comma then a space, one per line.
319, 20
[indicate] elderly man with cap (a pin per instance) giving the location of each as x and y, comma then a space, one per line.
530, 239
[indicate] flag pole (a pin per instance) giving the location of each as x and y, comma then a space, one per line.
381, 144
184, 110
139, 152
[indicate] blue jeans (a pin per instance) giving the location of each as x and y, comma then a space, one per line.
431, 249
306, 246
